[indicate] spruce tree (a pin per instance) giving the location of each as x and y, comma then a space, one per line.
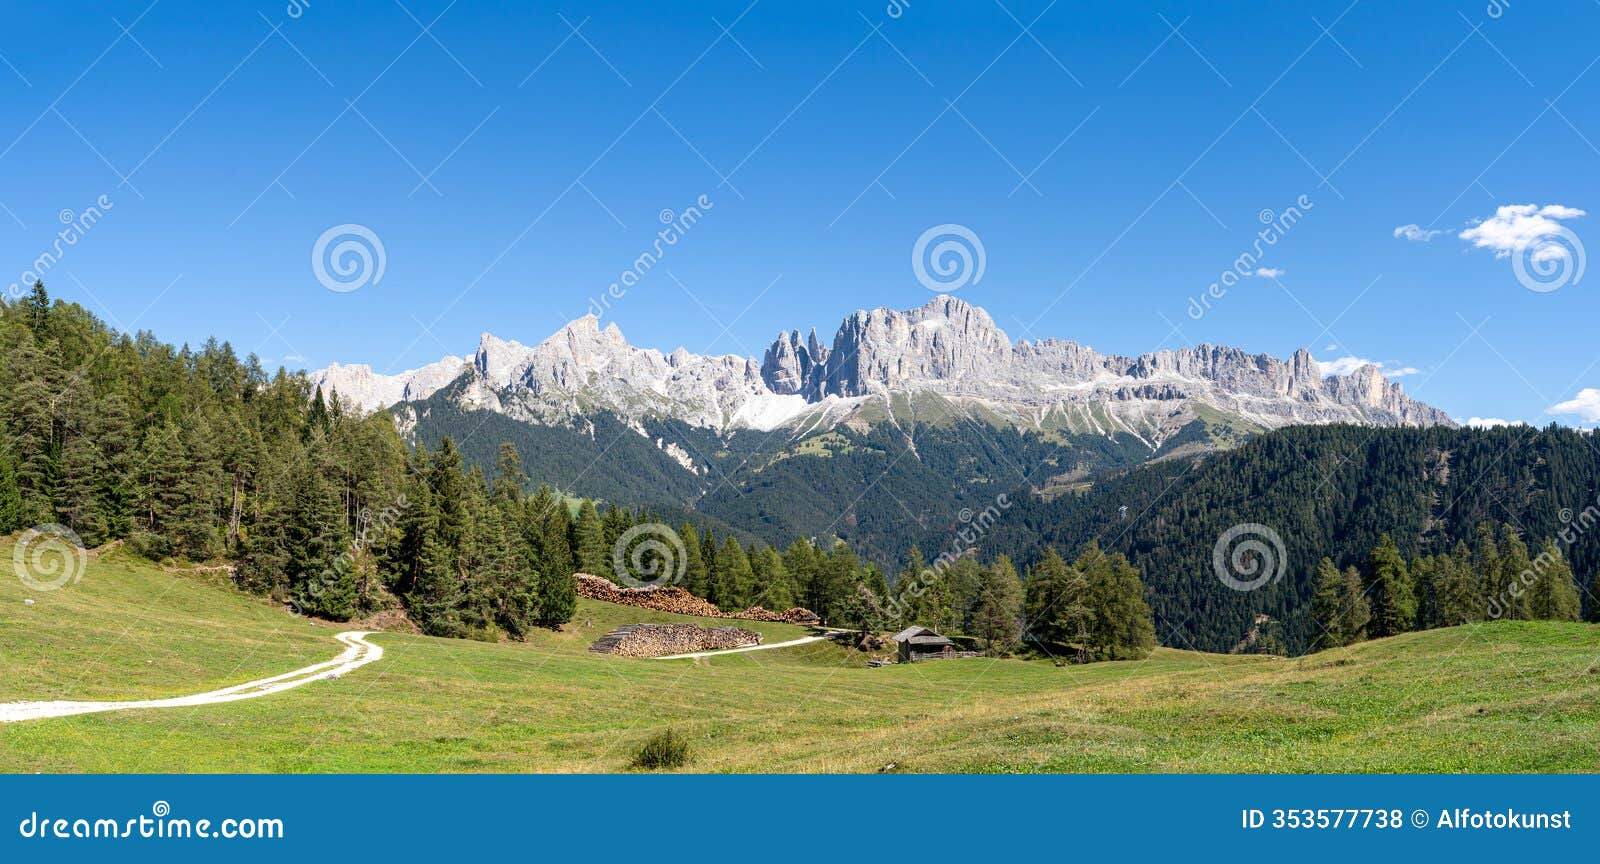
1456, 589
996, 621
589, 542
735, 582
509, 477
1057, 614
1486, 558
10, 496
1327, 608
320, 581
1516, 575
1394, 605
695, 575
1553, 596
1121, 627
773, 590
1355, 610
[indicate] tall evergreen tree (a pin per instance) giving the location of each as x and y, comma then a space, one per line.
314, 541
1456, 589
696, 579
1327, 604
1516, 573
773, 590
589, 542
1394, 605
1552, 596
1356, 609
735, 582
10, 496
997, 621
1120, 624
1057, 613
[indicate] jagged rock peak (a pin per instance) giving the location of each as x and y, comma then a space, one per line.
946, 347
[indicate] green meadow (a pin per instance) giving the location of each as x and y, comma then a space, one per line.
1503, 697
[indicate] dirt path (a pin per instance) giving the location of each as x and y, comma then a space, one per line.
358, 652
790, 644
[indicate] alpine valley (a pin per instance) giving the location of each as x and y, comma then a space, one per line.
883, 436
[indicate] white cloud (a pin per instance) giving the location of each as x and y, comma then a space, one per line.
1269, 272
1346, 365
1491, 422
1586, 405
1514, 226
1332, 346
1415, 233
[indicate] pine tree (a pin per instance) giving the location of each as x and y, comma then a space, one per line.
1057, 615
997, 620
321, 583
908, 582
708, 557
556, 551
1356, 609
589, 542
735, 581
1486, 558
509, 476
696, 578
436, 600
1424, 573
1553, 596
773, 590
1327, 602
1459, 598
1120, 625
10, 496
1516, 574
1394, 605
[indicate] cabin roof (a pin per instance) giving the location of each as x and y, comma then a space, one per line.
920, 636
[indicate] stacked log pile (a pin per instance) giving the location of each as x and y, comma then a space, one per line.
664, 640
680, 602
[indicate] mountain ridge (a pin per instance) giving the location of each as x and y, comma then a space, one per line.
947, 348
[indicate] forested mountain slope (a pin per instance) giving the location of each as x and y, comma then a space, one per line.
1326, 491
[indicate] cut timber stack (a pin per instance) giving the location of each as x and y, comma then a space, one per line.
664, 640
680, 602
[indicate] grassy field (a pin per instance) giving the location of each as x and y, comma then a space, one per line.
1502, 697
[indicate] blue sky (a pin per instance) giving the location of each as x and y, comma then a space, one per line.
1112, 158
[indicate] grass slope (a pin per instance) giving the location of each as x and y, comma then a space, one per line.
1502, 697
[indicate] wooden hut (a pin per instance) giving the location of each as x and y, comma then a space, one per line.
920, 643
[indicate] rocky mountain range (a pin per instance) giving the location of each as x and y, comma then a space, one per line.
945, 359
